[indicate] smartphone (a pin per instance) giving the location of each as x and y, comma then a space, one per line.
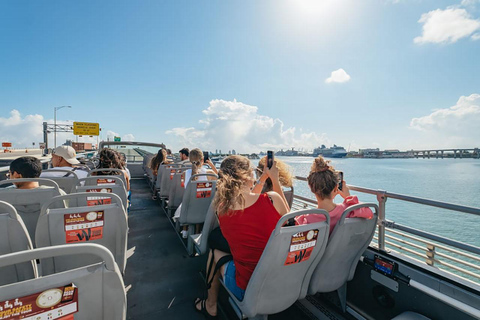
340, 183
205, 156
269, 159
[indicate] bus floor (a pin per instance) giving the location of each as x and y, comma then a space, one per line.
162, 280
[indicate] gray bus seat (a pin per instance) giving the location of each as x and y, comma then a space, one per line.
99, 289
65, 182
117, 173
177, 190
200, 241
13, 238
93, 188
289, 196
409, 315
285, 267
104, 181
167, 178
29, 202
195, 203
108, 227
349, 239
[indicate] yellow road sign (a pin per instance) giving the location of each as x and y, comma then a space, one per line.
86, 129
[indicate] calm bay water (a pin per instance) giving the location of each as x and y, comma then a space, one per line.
447, 180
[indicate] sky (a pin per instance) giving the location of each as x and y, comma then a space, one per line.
246, 75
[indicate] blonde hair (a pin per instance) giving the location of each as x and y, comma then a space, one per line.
284, 174
196, 158
234, 172
322, 179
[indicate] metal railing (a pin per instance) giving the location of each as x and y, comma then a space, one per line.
443, 253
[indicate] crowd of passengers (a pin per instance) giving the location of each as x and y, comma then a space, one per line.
249, 202
64, 161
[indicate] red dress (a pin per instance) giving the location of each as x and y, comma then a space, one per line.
247, 232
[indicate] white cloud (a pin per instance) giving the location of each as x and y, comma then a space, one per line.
455, 126
21, 131
476, 36
128, 137
470, 3
446, 26
234, 125
338, 76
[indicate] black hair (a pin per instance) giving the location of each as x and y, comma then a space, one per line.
185, 151
28, 167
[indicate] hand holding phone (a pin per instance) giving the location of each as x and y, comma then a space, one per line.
340, 183
205, 156
269, 159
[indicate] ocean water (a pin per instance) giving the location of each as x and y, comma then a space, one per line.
448, 180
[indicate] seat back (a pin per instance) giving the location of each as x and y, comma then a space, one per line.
177, 189
211, 222
66, 181
167, 179
197, 199
13, 238
28, 203
286, 266
289, 196
115, 173
96, 291
104, 224
349, 239
90, 185
104, 181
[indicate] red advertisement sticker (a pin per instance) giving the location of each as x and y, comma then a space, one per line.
301, 246
96, 201
56, 303
82, 227
172, 172
105, 182
204, 189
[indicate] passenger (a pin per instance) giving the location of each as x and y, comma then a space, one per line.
25, 167
264, 184
110, 159
169, 155
184, 156
247, 220
65, 158
323, 182
196, 158
159, 159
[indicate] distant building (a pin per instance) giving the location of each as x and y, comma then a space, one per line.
234, 152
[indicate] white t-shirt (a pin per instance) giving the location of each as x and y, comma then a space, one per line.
79, 172
188, 174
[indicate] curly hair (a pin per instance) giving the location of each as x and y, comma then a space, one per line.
234, 172
322, 179
110, 159
284, 173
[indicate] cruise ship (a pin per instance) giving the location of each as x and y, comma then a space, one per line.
135, 264
333, 152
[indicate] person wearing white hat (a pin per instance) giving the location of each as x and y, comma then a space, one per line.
64, 158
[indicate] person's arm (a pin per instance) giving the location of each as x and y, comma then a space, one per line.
277, 187
212, 166
126, 179
260, 183
278, 203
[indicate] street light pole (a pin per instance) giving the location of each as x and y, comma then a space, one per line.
55, 124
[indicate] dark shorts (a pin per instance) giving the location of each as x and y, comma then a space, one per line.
230, 282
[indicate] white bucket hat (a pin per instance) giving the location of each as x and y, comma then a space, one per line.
67, 153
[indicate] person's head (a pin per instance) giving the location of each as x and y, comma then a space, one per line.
235, 176
110, 159
284, 173
158, 159
64, 156
184, 154
196, 158
169, 152
25, 167
323, 180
